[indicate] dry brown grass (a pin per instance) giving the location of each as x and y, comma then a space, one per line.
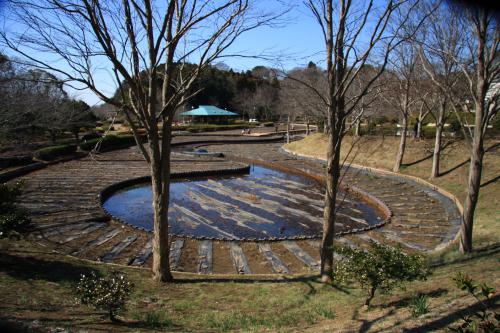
37, 285
381, 153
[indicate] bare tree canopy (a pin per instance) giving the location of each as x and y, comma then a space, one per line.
143, 46
33, 103
356, 34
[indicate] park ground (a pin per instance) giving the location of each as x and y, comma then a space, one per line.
37, 284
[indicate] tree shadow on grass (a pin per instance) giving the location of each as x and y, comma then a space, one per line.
247, 280
27, 268
404, 302
429, 156
478, 252
488, 149
491, 181
366, 324
449, 319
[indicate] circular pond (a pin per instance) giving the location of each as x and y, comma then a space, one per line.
264, 204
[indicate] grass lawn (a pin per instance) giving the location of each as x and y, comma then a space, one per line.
37, 285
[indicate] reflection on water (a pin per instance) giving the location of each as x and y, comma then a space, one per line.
266, 203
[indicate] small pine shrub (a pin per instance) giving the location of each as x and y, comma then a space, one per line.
157, 319
325, 312
381, 268
109, 293
419, 305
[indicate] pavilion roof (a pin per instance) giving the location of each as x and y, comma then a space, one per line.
207, 111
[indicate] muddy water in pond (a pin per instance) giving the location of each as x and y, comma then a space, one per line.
264, 204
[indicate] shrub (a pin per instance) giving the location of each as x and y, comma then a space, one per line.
455, 125
90, 136
8, 196
109, 142
268, 124
7, 162
380, 120
213, 127
51, 153
108, 293
13, 222
380, 268
484, 320
13, 219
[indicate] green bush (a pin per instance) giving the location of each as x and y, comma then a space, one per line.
51, 153
109, 293
381, 268
268, 124
486, 319
13, 219
109, 142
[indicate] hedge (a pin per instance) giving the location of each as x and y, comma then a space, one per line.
51, 153
7, 162
213, 128
109, 142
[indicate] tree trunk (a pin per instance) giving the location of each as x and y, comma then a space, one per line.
358, 128
402, 145
437, 142
332, 178
288, 129
307, 126
371, 294
474, 184
419, 129
160, 181
477, 151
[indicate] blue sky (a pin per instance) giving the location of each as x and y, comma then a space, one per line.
293, 44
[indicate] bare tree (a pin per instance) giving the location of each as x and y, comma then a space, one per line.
296, 97
481, 68
471, 44
34, 103
441, 44
427, 105
403, 95
145, 46
342, 25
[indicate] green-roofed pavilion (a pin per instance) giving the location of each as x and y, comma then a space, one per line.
208, 112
